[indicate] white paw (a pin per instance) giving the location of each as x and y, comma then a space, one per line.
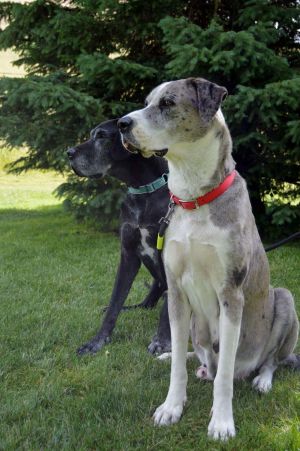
262, 383
166, 414
164, 356
221, 429
202, 373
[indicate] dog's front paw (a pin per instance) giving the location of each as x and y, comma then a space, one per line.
221, 428
92, 346
168, 414
159, 345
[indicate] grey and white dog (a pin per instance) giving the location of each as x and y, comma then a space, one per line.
217, 270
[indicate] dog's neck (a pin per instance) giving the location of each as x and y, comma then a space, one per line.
137, 170
198, 167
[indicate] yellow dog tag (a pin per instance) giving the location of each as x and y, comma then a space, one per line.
159, 242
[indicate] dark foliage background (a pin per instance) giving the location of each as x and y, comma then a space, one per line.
89, 60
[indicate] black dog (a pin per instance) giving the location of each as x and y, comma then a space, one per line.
104, 154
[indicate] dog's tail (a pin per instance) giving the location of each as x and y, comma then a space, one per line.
292, 361
281, 242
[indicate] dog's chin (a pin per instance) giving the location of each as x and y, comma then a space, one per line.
77, 171
90, 176
95, 176
146, 153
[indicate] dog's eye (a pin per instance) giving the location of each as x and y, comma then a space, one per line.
146, 103
166, 102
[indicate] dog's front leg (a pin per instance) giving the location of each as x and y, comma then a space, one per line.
128, 269
179, 313
221, 425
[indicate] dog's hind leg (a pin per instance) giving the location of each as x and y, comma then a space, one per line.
284, 355
201, 340
207, 370
292, 361
283, 338
263, 382
161, 342
152, 298
180, 313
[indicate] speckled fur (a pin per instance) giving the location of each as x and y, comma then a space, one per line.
217, 269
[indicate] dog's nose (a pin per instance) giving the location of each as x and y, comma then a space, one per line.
71, 152
125, 124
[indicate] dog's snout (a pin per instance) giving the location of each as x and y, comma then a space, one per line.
71, 152
125, 124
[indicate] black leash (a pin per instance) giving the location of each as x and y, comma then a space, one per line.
164, 223
281, 242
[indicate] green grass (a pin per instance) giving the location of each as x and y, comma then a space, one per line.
54, 278
28, 191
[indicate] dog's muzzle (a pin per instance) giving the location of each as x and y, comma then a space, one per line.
125, 125
130, 148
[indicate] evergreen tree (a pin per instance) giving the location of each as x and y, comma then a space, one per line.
89, 60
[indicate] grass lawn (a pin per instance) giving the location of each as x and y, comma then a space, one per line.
55, 276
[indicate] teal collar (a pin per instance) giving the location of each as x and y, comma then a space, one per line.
150, 187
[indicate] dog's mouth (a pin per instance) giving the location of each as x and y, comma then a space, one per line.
132, 149
98, 175
95, 176
77, 172
160, 153
157, 153
128, 146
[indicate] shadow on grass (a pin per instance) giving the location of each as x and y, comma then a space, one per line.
48, 210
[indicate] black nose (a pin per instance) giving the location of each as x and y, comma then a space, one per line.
71, 152
125, 124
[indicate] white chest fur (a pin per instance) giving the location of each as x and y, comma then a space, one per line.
146, 249
196, 253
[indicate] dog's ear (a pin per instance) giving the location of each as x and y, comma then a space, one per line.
209, 97
117, 151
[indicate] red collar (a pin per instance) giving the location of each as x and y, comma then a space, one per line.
208, 197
